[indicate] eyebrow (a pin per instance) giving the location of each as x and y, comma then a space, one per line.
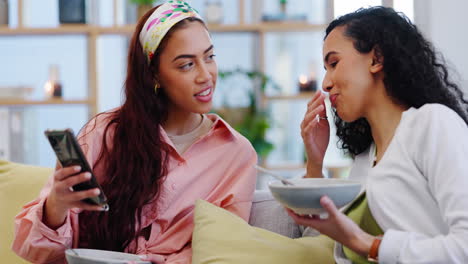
325, 60
191, 56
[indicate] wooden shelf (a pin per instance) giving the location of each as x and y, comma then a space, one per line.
299, 96
266, 27
289, 27
84, 29
15, 102
61, 30
69, 30
117, 30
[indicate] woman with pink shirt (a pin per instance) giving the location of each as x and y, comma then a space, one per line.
153, 156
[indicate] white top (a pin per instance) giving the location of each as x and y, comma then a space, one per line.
183, 142
418, 192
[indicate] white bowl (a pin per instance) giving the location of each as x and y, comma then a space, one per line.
94, 256
304, 196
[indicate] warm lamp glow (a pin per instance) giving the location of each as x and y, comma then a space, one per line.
49, 88
303, 79
307, 84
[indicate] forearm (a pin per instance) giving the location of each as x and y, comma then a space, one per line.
35, 241
53, 216
361, 244
314, 170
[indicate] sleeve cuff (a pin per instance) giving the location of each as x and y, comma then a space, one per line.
392, 242
62, 234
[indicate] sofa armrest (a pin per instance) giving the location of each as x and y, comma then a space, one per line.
19, 184
268, 214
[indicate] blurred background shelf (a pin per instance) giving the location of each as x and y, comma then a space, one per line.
92, 60
267, 27
61, 30
128, 29
20, 102
299, 96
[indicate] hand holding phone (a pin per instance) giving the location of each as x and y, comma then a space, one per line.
70, 155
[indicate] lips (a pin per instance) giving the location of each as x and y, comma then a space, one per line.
333, 100
205, 95
204, 92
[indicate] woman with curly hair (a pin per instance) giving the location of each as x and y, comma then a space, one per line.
405, 124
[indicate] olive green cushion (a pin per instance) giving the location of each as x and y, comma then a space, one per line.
19, 184
220, 237
360, 213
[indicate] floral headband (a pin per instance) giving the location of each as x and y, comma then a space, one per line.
159, 23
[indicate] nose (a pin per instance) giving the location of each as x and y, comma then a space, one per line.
327, 83
204, 73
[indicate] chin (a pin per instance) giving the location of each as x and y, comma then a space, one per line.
204, 110
346, 117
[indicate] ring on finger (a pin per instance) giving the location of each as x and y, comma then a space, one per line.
317, 117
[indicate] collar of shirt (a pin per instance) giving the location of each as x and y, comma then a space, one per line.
219, 127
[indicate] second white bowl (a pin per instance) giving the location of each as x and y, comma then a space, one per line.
304, 196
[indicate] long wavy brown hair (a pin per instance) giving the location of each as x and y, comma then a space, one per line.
135, 160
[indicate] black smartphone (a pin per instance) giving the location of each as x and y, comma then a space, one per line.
69, 153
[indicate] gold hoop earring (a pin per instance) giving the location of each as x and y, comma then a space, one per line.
156, 87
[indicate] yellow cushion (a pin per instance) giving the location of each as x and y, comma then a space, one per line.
221, 237
19, 184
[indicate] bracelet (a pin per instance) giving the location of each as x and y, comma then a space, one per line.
373, 255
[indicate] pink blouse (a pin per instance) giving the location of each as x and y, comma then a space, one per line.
217, 168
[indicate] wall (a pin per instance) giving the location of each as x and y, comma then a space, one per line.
442, 22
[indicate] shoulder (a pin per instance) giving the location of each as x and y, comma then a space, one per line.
426, 130
430, 117
433, 112
227, 130
96, 127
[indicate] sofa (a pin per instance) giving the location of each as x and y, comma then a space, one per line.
20, 183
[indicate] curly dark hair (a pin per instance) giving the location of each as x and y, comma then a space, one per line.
414, 73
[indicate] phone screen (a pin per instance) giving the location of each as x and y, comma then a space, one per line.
69, 153
66, 153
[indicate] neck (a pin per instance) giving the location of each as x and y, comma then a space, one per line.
181, 123
384, 117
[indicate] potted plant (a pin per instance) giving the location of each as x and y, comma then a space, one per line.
142, 6
251, 121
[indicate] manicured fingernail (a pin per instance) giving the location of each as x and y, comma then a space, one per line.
87, 175
97, 191
77, 168
326, 199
